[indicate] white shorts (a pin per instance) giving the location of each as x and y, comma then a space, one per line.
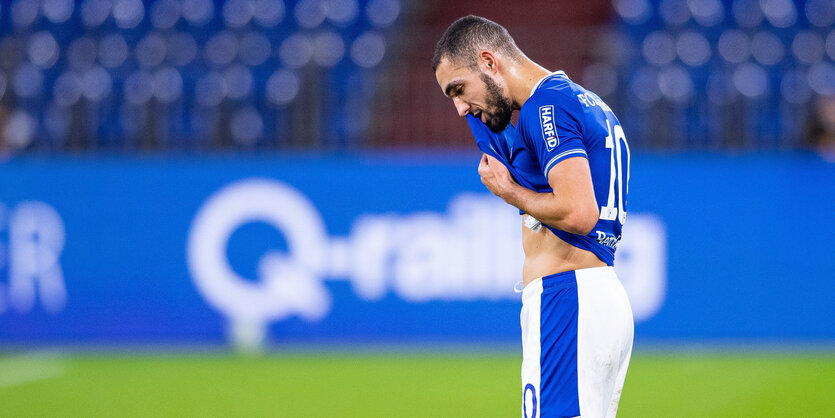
577, 332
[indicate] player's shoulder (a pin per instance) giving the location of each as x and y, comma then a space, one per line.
554, 95
556, 89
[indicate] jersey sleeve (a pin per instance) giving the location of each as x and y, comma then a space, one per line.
553, 129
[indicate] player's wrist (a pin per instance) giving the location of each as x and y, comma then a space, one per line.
510, 193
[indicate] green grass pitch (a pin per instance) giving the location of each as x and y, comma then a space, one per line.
392, 384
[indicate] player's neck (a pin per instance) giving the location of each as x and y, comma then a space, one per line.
522, 78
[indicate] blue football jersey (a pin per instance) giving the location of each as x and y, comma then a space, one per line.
562, 120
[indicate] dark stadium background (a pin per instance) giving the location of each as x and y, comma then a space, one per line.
267, 207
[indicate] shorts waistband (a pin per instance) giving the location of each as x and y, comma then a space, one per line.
559, 279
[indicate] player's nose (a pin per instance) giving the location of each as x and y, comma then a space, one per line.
461, 107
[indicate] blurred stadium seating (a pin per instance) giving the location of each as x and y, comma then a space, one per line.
712, 74
189, 74
193, 75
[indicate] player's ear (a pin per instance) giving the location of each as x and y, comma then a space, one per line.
487, 60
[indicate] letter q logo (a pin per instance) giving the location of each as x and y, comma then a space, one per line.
288, 283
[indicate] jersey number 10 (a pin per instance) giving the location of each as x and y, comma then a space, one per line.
610, 212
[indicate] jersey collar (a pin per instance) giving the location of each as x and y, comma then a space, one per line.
542, 80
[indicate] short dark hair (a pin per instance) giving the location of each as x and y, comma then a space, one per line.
467, 36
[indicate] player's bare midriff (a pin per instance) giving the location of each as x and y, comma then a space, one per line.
546, 254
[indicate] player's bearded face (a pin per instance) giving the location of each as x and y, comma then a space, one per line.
499, 109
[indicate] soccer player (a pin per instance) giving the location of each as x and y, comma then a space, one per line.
565, 166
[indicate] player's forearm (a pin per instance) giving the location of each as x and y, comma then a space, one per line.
560, 213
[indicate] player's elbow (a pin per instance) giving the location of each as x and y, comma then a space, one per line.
581, 222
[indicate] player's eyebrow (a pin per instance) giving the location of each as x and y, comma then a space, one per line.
452, 86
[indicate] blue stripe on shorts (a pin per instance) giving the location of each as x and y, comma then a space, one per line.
558, 341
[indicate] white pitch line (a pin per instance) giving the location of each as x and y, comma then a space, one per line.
30, 367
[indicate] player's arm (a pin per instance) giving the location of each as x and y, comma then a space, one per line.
571, 206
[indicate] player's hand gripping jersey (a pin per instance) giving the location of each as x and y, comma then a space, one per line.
562, 120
